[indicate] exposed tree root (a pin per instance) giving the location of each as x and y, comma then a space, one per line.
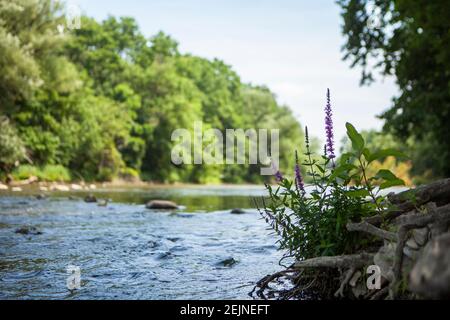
264, 283
383, 217
371, 229
345, 261
438, 192
380, 294
426, 209
408, 222
340, 292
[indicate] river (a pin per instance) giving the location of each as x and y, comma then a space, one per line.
125, 251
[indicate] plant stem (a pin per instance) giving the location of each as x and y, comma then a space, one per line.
308, 153
369, 186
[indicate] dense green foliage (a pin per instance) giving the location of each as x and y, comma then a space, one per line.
410, 40
312, 222
46, 173
11, 146
103, 100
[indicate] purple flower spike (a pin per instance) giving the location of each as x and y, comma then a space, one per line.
298, 175
278, 176
277, 173
329, 128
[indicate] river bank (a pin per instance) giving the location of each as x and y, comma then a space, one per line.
409, 260
34, 184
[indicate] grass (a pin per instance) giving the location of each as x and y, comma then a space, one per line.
49, 173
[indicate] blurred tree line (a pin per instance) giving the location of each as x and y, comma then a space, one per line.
102, 101
411, 41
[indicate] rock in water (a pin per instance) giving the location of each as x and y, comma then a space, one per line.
90, 199
103, 203
163, 255
237, 211
183, 215
28, 230
229, 262
41, 196
161, 204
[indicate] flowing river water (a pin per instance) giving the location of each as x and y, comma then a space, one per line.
126, 251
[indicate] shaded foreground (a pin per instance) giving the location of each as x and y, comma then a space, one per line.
413, 255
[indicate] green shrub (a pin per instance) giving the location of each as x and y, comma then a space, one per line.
314, 223
106, 174
25, 171
11, 146
129, 174
47, 173
55, 173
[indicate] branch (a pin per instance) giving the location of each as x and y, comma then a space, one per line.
380, 294
438, 191
437, 215
368, 228
419, 220
385, 216
344, 261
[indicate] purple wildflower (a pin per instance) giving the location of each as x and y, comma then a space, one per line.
277, 173
278, 176
306, 137
298, 175
329, 128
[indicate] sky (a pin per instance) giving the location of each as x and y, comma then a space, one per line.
291, 46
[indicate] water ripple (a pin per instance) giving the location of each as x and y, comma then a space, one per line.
127, 252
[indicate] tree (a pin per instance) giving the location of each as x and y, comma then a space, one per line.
410, 40
169, 101
28, 39
11, 146
103, 100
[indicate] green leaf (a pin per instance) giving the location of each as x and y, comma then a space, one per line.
355, 137
386, 175
390, 179
357, 193
392, 183
386, 153
345, 157
366, 153
322, 170
315, 196
341, 169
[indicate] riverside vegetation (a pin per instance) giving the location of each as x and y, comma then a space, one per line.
344, 224
100, 102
